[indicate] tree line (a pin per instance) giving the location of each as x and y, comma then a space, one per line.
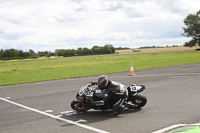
18, 54
158, 46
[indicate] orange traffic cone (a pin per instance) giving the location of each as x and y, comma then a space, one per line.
132, 70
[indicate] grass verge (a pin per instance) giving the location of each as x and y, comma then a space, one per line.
70, 67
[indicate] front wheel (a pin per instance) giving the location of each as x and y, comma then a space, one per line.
74, 104
78, 106
137, 101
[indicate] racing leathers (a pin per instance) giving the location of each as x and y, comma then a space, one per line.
117, 90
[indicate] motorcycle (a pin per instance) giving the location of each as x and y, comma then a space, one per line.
88, 95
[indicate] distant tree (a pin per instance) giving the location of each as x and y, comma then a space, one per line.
96, 50
107, 50
52, 54
71, 52
22, 54
41, 53
1, 53
65, 53
79, 51
11, 53
87, 51
31, 52
110, 47
46, 53
192, 29
59, 52
120, 48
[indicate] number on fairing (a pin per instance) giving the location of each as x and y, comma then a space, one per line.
133, 88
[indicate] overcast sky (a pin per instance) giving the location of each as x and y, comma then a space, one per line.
46, 25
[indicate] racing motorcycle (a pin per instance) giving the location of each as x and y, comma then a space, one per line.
88, 95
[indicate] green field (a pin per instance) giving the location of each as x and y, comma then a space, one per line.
28, 71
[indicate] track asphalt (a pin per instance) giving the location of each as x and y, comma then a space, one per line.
173, 95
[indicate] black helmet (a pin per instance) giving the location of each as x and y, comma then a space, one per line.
102, 81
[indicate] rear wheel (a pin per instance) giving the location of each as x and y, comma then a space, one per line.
137, 101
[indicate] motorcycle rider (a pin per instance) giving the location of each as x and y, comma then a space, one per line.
113, 89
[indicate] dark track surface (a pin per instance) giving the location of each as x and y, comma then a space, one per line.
173, 95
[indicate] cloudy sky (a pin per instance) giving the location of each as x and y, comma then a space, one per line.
46, 25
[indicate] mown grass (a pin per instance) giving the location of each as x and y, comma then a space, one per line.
51, 69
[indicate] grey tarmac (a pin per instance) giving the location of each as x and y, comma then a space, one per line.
172, 93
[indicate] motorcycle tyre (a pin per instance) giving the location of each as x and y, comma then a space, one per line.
73, 103
138, 105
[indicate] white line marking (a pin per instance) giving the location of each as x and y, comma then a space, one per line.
169, 128
55, 117
81, 120
48, 111
68, 113
175, 126
196, 124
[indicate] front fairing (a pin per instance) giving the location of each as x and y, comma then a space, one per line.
84, 92
135, 89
